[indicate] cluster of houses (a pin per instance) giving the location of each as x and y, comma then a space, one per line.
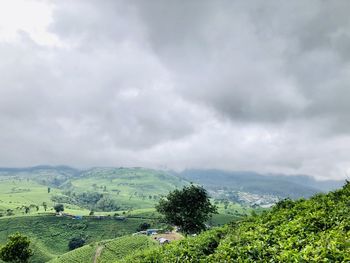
150, 232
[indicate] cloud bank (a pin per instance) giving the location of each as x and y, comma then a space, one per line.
232, 85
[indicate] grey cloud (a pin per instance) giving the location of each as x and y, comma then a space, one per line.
226, 84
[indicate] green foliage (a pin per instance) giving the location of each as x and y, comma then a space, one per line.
59, 208
107, 204
188, 208
82, 254
50, 235
16, 249
314, 230
124, 246
76, 242
143, 226
107, 251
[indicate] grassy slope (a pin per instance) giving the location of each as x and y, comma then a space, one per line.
15, 193
50, 234
131, 187
315, 230
107, 251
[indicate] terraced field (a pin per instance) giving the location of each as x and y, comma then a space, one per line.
50, 234
107, 251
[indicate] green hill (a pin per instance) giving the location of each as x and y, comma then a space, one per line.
314, 230
130, 187
98, 189
50, 234
107, 251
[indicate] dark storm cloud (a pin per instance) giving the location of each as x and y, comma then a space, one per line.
245, 85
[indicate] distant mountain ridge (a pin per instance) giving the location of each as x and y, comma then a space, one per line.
293, 186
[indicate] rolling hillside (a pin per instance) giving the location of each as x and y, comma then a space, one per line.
50, 234
314, 230
127, 188
107, 251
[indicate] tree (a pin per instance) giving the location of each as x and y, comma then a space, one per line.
45, 205
26, 209
107, 204
188, 208
76, 242
16, 249
59, 208
143, 226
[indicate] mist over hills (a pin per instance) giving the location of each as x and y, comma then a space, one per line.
293, 186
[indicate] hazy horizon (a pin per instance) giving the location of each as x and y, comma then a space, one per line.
231, 85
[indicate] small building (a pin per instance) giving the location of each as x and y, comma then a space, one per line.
152, 231
163, 241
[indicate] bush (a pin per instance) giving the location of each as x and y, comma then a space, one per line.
143, 227
76, 242
16, 249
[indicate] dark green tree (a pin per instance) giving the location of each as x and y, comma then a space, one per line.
188, 208
59, 208
16, 249
143, 226
45, 205
76, 242
26, 209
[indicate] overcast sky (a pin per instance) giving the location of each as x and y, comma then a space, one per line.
235, 85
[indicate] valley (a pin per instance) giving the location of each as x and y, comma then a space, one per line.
105, 206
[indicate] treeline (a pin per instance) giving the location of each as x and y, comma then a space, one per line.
90, 200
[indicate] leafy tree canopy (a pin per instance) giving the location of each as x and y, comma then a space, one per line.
76, 242
143, 226
59, 208
16, 249
188, 208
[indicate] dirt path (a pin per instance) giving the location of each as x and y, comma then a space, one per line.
98, 253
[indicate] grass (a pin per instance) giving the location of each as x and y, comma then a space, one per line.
50, 234
136, 190
82, 254
107, 251
314, 230
132, 188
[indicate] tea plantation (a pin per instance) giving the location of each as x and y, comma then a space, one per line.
314, 230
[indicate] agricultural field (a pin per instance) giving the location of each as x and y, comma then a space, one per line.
313, 230
50, 234
107, 251
27, 197
126, 188
132, 188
